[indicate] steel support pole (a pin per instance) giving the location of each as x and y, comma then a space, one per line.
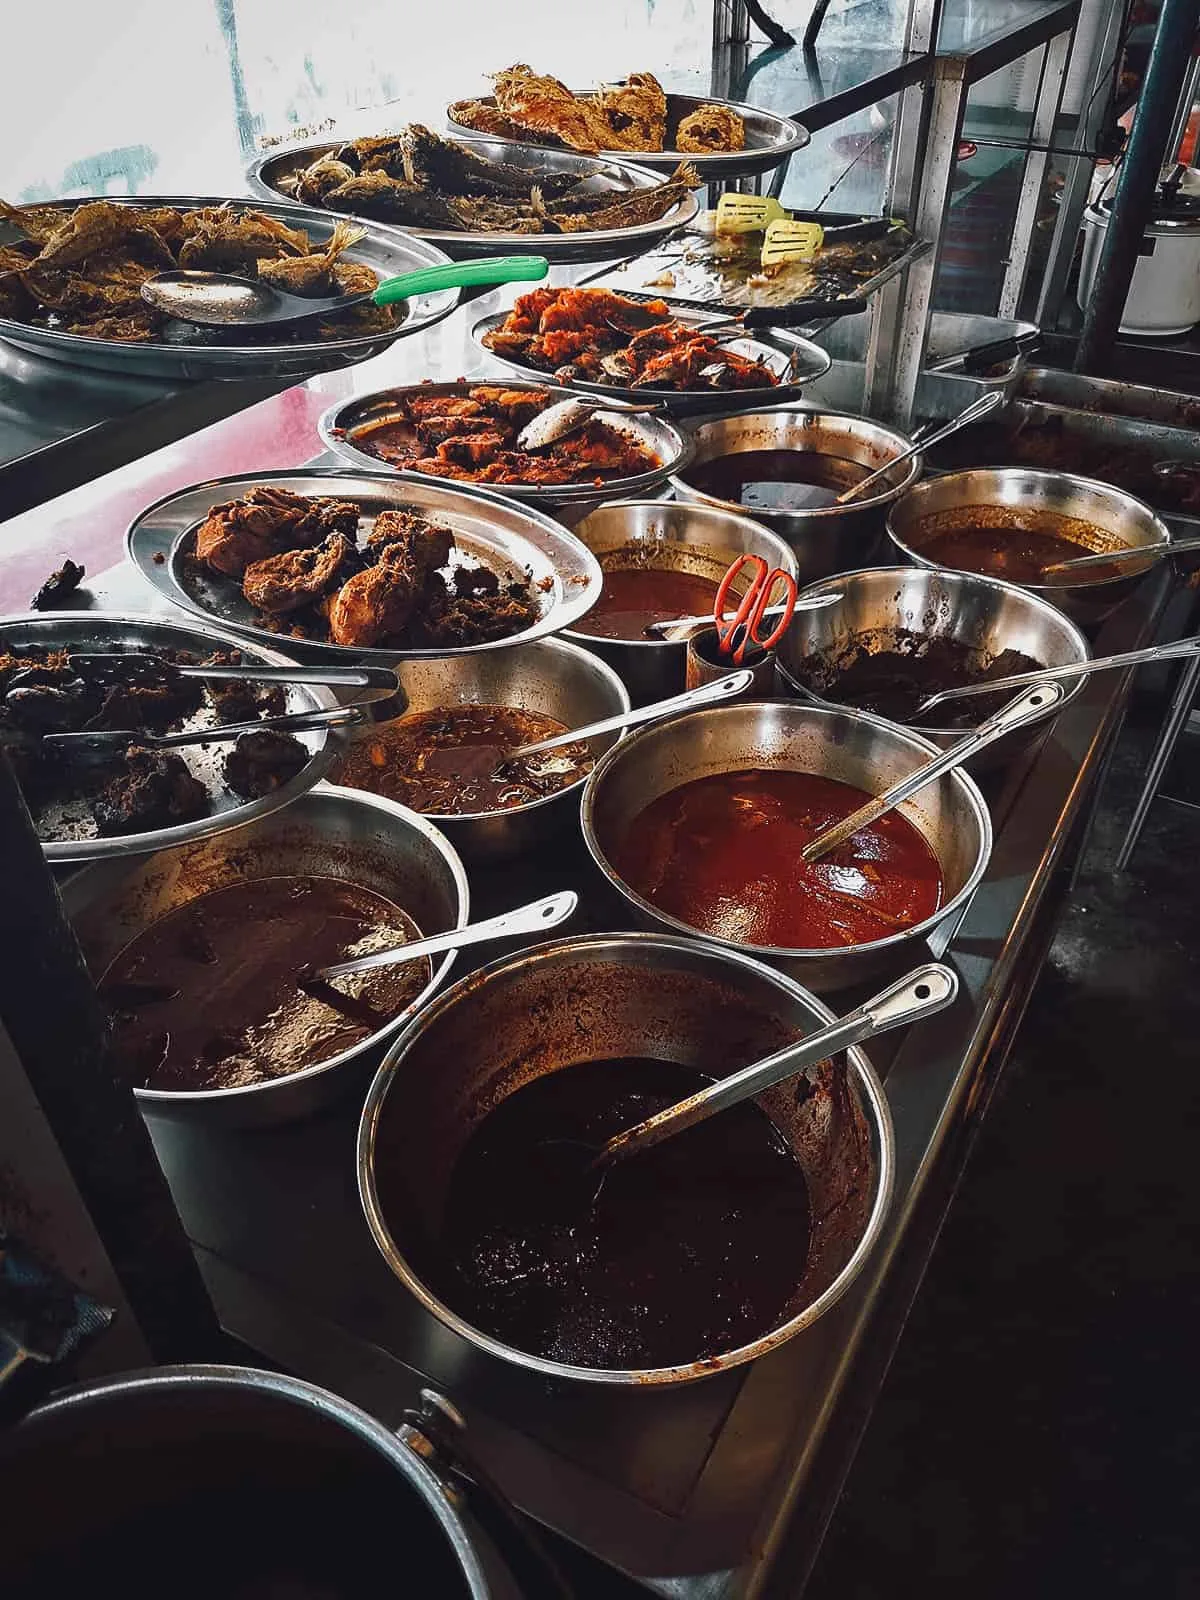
1078, 175
1133, 203
947, 102
1033, 178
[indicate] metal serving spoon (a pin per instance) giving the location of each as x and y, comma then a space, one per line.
1076, 669
926, 990
128, 667
103, 743
1025, 708
975, 412
814, 602
1105, 558
223, 299
727, 688
536, 917
568, 416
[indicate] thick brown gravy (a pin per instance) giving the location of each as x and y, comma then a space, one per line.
1005, 551
779, 480
722, 854
676, 1256
208, 997
634, 597
453, 761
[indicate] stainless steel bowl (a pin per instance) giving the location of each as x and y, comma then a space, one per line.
136, 1453
329, 832
770, 139
597, 174
1094, 515
832, 538
786, 736
989, 616
684, 538
670, 448
551, 676
605, 997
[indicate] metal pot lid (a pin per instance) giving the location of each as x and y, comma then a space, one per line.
66, 829
566, 577
1178, 215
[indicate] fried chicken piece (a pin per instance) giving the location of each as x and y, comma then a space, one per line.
711, 128
311, 275
294, 578
267, 521
544, 106
636, 112
102, 225
156, 790
428, 545
220, 239
376, 604
263, 761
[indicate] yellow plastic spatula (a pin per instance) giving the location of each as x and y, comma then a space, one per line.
786, 240
747, 213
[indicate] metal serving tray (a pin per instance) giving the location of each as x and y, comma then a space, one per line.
620, 178
192, 352
497, 532
770, 140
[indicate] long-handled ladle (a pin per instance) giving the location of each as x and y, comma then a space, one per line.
1106, 558
925, 990
727, 688
975, 412
1027, 707
1076, 669
539, 916
811, 602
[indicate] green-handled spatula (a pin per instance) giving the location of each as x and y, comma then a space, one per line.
222, 299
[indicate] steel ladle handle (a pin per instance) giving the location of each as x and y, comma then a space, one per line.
539, 916
727, 688
924, 991
1026, 707
975, 412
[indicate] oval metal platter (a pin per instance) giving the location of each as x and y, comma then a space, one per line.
655, 433
192, 352
488, 528
798, 362
66, 828
600, 175
770, 139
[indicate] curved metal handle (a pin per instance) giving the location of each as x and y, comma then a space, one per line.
1026, 707
975, 412
459, 275
924, 991
539, 916
1076, 669
727, 688
1100, 558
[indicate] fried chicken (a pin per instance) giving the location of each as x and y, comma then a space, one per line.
376, 604
427, 545
267, 521
295, 578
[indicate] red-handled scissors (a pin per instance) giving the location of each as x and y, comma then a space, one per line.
752, 608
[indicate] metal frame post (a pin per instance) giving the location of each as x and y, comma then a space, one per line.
1047, 105
947, 102
1078, 176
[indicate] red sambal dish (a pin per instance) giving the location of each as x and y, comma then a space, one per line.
723, 855
473, 437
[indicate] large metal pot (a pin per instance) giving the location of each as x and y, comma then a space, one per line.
253, 1481
1094, 515
832, 538
989, 616
329, 832
787, 736
560, 679
679, 537
599, 998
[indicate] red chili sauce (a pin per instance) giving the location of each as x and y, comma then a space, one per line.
722, 854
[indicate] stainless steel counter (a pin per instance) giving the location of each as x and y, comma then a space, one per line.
722, 1488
